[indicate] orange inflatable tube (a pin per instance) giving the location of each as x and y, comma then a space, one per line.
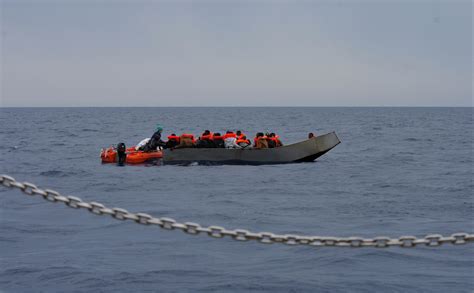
109, 155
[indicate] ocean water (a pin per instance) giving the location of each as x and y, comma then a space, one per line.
398, 171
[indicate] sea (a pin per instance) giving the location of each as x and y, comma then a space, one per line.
398, 171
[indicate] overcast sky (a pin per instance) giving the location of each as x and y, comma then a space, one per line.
236, 53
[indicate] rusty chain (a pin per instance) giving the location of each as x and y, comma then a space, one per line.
238, 234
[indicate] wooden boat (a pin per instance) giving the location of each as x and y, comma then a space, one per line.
304, 151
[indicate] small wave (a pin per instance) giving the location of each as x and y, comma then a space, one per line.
89, 130
177, 272
4, 239
62, 174
64, 134
270, 180
226, 202
221, 217
58, 272
300, 209
19, 271
383, 185
411, 139
39, 230
370, 149
54, 173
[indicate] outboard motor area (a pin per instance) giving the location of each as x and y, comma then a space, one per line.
122, 155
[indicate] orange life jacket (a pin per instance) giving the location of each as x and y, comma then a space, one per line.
257, 138
227, 135
241, 136
188, 135
261, 142
240, 140
173, 138
206, 137
277, 141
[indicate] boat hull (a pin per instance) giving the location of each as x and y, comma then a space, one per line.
304, 151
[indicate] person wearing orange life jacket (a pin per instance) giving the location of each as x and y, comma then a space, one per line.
243, 142
270, 141
186, 140
230, 140
278, 141
206, 135
239, 134
275, 140
260, 141
205, 140
229, 134
217, 140
173, 141
256, 138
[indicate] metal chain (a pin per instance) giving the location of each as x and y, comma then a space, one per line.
238, 234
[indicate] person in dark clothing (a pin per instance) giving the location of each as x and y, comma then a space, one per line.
205, 140
274, 141
257, 137
217, 140
173, 141
270, 141
155, 140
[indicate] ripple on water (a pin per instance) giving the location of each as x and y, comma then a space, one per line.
62, 174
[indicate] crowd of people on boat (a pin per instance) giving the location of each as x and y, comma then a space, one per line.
229, 140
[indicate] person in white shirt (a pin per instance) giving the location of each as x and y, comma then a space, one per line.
230, 140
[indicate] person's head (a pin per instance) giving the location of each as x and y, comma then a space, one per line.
173, 134
310, 135
217, 134
259, 134
238, 132
228, 131
159, 128
206, 132
272, 134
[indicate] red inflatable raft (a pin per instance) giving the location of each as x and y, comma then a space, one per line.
109, 155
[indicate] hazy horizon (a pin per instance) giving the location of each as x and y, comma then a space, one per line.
236, 54
46, 107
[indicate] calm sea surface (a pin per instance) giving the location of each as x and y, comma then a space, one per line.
398, 171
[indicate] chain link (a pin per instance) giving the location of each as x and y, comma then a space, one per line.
238, 234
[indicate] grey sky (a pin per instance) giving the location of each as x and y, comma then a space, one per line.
236, 53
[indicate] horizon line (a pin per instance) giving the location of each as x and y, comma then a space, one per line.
371, 106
